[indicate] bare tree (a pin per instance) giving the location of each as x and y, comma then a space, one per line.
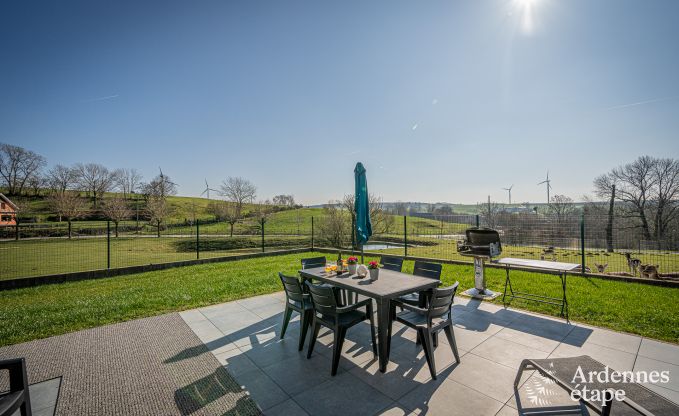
95, 179
665, 174
160, 187
561, 207
68, 205
17, 166
284, 200
382, 222
335, 224
490, 211
400, 208
239, 191
649, 191
127, 181
116, 209
157, 210
61, 178
36, 183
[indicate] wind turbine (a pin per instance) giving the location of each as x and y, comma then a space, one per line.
163, 181
207, 190
510, 193
547, 181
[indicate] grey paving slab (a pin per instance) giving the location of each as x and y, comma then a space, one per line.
660, 351
264, 391
649, 364
493, 379
616, 359
287, 408
44, 396
506, 352
343, 395
535, 342
581, 335
492, 342
447, 397
235, 362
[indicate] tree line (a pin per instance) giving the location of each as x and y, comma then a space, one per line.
23, 173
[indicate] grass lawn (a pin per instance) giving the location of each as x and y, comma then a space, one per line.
49, 310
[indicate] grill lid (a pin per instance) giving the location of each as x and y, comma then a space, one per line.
481, 242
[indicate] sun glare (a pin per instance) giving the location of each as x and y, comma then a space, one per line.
526, 10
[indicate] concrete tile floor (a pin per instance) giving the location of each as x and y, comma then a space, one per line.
245, 337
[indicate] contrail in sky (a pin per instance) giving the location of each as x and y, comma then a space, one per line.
654, 100
108, 97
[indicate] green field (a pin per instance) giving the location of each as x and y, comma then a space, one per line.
48, 310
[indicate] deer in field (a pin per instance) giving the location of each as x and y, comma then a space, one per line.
649, 271
601, 268
549, 251
632, 263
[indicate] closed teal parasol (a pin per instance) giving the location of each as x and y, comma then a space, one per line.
362, 206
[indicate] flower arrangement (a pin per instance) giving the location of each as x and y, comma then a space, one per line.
373, 265
352, 260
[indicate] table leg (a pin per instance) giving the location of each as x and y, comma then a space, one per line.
383, 312
507, 282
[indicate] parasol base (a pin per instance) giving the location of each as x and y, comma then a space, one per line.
486, 294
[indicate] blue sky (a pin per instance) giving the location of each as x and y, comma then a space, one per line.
291, 94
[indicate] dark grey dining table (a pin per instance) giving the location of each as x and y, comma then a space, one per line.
390, 285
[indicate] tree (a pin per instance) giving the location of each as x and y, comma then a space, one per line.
160, 187
284, 200
382, 222
17, 166
239, 191
561, 207
68, 205
490, 211
116, 209
649, 191
61, 178
157, 210
36, 183
335, 224
127, 181
95, 179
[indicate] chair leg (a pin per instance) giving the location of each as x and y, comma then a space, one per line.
372, 330
312, 340
435, 338
340, 332
428, 351
418, 339
451, 340
305, 322
25, 409
286, 319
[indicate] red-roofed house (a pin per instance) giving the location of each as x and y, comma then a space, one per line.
8, 211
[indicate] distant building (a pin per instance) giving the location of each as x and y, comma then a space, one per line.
8, 211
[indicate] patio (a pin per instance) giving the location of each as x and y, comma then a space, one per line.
244, 337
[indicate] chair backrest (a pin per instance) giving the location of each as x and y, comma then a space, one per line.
323, 299
292, 287
392, 263
441, 300
312, 262
430, 270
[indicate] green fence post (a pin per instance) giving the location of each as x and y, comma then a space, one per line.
582, 243
16, 235
477, 220
405, 236
262, 235
312, 233
197, 240
108, 244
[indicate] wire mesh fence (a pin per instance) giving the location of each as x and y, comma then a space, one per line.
39, 249
614, 247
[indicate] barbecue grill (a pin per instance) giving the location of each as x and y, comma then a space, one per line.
482, 244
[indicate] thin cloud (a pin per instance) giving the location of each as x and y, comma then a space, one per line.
108, 97
653, 100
